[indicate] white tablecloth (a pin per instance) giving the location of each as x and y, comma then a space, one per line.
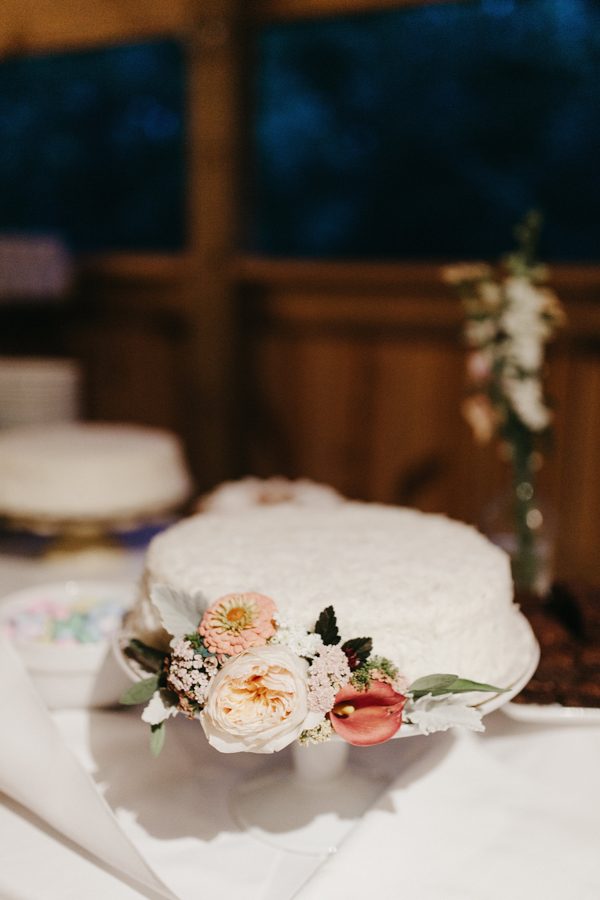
514, 812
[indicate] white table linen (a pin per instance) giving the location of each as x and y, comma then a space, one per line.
514, 812
511, 813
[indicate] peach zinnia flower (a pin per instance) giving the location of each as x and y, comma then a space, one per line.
235, 622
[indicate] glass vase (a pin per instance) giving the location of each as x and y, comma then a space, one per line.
522, 522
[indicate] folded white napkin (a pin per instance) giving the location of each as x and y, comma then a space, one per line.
90, 775
39, 772
511, 813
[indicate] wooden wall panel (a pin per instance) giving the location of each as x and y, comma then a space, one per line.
411, 452
345, 385
579, 476
131, 371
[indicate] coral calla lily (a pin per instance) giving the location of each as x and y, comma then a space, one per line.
367, 717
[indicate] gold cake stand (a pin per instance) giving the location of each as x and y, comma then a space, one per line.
69, 535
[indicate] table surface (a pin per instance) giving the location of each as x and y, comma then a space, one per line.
463, 815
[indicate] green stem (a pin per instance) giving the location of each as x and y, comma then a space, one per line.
525, 562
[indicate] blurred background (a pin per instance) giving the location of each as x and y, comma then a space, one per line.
233, 215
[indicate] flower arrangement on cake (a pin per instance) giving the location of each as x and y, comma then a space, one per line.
258, 682
510, 316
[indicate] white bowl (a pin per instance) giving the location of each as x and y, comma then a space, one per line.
69, 675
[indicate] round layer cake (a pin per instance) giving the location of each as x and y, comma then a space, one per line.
432, 593
90, 472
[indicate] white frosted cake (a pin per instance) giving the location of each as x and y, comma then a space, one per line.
90, 472
434, 594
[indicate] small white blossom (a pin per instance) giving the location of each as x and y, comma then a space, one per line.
317, 735
525, 396
479, 332
297, 639
526, 352
489, 293
190, 674
157, 711
329, 671
466, 272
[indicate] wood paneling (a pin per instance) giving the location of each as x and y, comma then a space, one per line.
356, 375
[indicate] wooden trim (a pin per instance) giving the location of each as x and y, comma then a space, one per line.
135, 267
272, 271
44, 26
330, 273
322, 293
213, 140
409, 295
269, 10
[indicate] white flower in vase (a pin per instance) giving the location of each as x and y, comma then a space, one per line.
526, 399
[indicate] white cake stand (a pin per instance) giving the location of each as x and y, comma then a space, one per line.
308, 807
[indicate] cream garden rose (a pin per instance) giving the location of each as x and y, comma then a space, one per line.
258, 702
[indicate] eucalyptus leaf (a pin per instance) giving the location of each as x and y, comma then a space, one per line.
140, 692
448, 684
157, 738
430, 683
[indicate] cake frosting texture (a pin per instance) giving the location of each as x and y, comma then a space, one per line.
434, 594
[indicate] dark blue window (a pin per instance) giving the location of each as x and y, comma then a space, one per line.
429, 131
92, 146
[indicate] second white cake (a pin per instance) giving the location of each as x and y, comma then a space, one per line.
90, 471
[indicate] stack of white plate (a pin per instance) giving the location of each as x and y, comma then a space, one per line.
38, 390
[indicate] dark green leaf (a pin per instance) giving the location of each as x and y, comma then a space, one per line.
140, 692
448, 684
326, 626
148, 657
358, 651
157, 738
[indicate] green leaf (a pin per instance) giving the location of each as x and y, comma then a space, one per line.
157, 738
448, 684
197, 642
148, 657
140, 692
326, 626
358, 651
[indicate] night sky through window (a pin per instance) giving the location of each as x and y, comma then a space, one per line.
410, 133
92, 146
429, 131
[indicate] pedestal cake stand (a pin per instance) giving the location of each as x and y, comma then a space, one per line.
308, 807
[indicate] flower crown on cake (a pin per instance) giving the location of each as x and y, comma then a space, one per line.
257, 682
